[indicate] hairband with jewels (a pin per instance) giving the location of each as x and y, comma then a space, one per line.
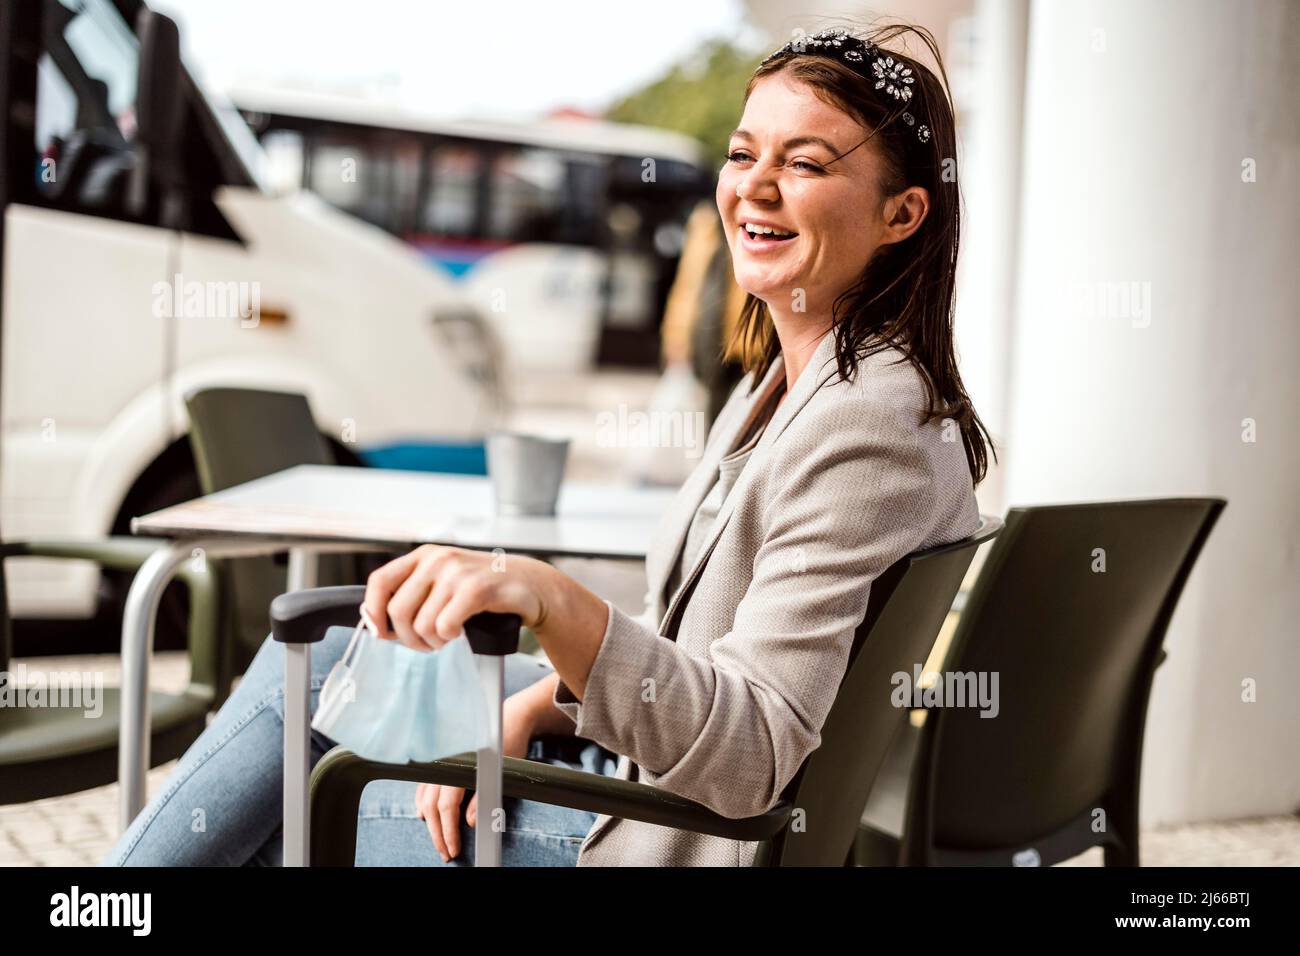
867, 60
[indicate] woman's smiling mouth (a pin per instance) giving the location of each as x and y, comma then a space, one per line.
760, 237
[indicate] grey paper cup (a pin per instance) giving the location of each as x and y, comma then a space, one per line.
526, 472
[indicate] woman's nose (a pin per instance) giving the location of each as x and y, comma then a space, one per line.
758, 184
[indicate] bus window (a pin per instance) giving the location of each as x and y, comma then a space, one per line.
452, 205
85, 106
375, 180
587, 189
106, 50
285, 159
527, 196
56, 107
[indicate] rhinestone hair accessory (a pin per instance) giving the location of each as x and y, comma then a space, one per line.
877, 66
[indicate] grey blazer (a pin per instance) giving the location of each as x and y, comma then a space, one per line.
718, 691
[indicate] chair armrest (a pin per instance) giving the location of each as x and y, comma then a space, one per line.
128, 553
340, 776
116, 552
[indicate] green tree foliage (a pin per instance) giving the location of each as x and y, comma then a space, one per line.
699, 96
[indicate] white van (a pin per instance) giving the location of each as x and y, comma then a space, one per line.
124, 290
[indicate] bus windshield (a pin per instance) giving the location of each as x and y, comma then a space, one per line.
86, 91
239, 137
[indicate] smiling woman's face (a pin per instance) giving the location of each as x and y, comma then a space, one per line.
779, 172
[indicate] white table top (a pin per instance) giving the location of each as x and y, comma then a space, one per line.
388, 507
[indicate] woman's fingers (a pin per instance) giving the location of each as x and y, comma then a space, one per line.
471, 811
404, 605
449, 801
426, 807
411, 591
439, 807
383, 583
425, 794
467, 600
425, 623
424, 598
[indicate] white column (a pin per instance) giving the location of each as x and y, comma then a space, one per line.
1157, 313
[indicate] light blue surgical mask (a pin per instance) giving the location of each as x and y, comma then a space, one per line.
388, 703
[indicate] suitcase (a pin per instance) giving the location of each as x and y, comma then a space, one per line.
299, 619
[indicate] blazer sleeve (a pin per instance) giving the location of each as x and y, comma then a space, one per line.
854, 493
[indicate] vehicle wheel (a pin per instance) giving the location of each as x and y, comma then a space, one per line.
171, 479
168, 481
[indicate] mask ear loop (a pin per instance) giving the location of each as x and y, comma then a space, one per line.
352, 653
332, 701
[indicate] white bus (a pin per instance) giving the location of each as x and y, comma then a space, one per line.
130, 279
564, 233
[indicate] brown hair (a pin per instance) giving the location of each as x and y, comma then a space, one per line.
904, 295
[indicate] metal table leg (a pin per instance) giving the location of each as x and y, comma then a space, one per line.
137, 646
297, 723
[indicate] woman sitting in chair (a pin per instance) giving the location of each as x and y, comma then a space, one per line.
849, 443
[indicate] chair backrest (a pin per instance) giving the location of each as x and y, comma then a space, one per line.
1069, 612
905, 610
241, 434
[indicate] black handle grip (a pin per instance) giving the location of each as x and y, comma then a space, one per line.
492, 633
302, 617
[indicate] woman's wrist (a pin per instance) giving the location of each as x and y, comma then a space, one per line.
570, 625
535, 706
519, 707
548, 585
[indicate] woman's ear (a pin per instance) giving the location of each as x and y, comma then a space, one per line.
904, 213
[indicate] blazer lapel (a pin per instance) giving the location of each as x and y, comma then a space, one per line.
819, 368
670, 537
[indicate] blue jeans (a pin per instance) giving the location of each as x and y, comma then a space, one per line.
222, 804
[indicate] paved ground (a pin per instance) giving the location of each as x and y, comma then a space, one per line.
77, 830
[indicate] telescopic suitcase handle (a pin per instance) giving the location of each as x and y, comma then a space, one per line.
302, 618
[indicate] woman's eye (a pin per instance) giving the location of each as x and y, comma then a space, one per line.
803, 165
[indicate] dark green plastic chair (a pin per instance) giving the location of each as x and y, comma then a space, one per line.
906, 608
51, 751
1056, 772
239, 435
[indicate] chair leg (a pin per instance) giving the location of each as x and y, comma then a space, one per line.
1123, 853
873, 848
1123, 849
1122, 817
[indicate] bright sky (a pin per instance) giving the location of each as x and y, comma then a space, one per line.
498, 60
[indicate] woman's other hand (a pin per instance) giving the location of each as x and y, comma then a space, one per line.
439, 806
